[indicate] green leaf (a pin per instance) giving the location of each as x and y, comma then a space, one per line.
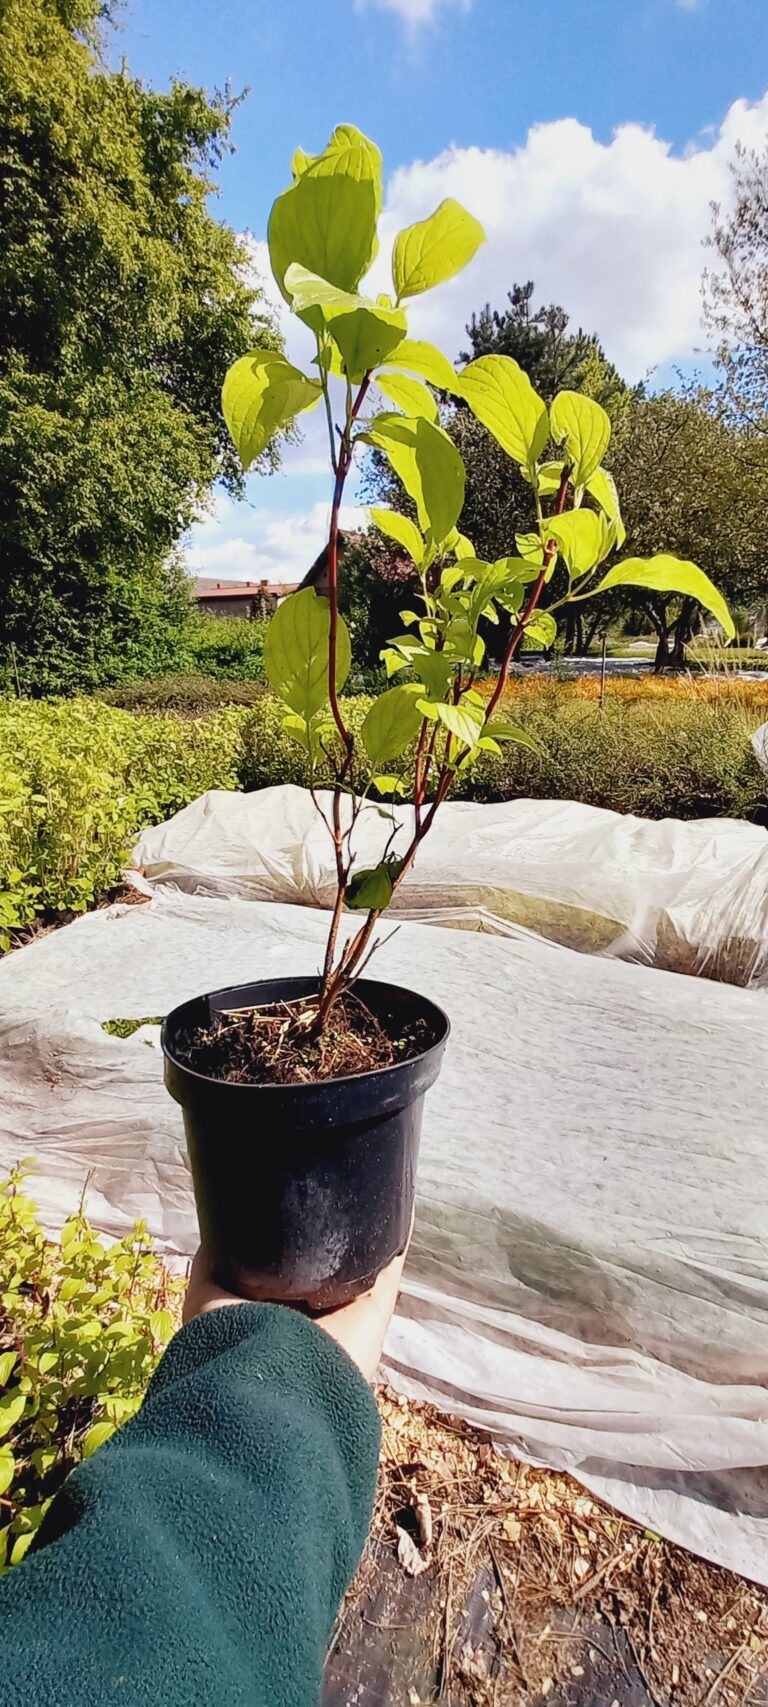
548, 478
402, 530
12, 1407
583, 538
429, 363
502, 398
409, 394
584, 428
371, 891
602, 486
162, 1326
7, 1469
48, 1361
21, 1546
96, 1436
296, 652
262, 392
502, 730
530, 548
392, 723
542, 629
390, 784
427, 462
327, 220
435, 249
667, 574
363, 333
8, 1361
464, 722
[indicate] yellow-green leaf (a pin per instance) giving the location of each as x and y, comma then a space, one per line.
602, 487
96, 1436
402, 530
427, 462
408, 394
583, 537
162, 1325
262, 393
424, 359
435, 249
584, 428
12, 1407
7, 1468
501, 396
667, 574
327, 220
296, 652
500, 729
363, 332
8, 1360
392, 723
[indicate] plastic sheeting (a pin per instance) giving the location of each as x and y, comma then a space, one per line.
589, 1271
687, 897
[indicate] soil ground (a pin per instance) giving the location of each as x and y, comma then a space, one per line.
489, 1584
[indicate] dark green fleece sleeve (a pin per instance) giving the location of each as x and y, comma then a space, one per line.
199, 1558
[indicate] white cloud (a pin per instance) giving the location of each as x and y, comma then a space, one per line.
611, 230
414, 13
240, 543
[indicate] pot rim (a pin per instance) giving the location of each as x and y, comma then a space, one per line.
312, 1085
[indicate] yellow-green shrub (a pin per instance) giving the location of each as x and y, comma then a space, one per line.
681, 757
82, 1326
79, 778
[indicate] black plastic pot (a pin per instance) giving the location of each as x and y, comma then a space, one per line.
304, 1192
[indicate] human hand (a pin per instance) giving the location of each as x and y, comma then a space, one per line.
359, 1328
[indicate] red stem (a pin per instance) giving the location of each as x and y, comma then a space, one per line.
530, 604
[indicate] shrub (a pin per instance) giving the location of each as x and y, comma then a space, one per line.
229, 648
193, 694
82, 1327
680, 755
78, 779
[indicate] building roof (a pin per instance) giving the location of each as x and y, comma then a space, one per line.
206, 589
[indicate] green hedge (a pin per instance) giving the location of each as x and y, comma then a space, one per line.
678, 758
79, 778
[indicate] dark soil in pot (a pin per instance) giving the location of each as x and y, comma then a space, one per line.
305, 1186
265, 1046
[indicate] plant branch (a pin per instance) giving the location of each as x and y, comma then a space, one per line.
530, 605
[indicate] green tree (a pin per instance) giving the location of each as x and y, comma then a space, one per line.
122, 301
553, 358
694, 483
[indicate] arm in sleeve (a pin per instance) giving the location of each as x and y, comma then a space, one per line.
199, 1558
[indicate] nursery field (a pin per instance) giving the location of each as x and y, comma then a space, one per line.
79, 778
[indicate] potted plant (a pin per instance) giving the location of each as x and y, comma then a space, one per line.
303, 1097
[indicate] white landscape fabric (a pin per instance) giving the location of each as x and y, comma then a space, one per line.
689, 897
589, 1273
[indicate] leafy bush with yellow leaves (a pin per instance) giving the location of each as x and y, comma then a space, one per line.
82, 1326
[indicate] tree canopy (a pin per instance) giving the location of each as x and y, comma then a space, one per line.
122, 301
694, 484
736, 292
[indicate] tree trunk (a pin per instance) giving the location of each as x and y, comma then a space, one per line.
658, 615
682, 634
592, 632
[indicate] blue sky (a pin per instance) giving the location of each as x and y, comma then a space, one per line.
589, 136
